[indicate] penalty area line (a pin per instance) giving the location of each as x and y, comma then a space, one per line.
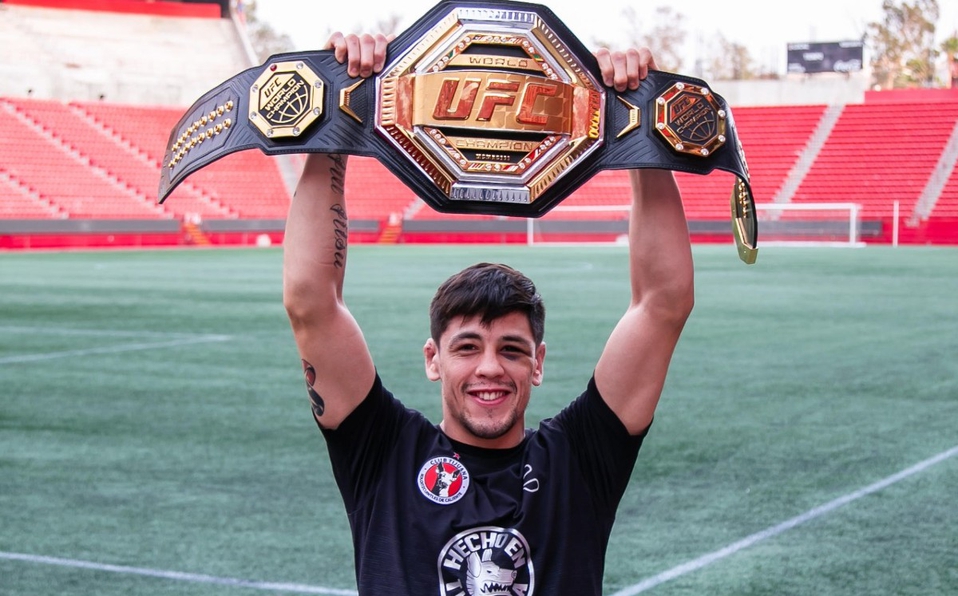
119, 348
177, 575
731, 549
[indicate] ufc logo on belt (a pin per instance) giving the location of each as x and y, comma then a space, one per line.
493, 100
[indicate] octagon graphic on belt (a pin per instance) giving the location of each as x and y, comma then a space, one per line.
285, 99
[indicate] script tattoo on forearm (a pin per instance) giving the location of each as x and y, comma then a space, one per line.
340, 234
319, 406
337, 183
337, 173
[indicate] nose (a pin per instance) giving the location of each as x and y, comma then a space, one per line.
489, 365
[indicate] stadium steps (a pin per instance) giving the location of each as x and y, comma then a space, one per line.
878, 154
391, 232
938, 181
947, 203
774, 139
101, 146
31, 151
247, 183
803, 164
195, 234
19, 201
138, 169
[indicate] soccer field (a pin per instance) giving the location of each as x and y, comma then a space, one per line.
156, 438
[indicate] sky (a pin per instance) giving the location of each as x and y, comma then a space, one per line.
765, 28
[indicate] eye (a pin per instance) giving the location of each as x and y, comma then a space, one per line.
512, 351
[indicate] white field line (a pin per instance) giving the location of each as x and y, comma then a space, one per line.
157, 341
647, 584
731, 549
94, 332
177, 575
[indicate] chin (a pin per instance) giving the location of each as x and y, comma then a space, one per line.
490, 431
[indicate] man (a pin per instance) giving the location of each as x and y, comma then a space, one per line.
478, 504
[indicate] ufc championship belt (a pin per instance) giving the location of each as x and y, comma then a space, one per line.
484, 106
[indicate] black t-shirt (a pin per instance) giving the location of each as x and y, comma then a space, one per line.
430, 515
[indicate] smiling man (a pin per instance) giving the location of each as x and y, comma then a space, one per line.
478, 504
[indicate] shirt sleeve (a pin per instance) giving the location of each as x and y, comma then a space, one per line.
601, 446
360, 446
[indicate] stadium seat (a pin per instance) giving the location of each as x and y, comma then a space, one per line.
878, 154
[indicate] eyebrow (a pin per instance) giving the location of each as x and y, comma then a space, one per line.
515, 339
464, 335
472, 335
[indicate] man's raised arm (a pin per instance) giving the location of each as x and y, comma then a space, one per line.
336, 360
631, 371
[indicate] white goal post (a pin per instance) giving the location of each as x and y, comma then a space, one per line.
592, 225
779, 224
809, 224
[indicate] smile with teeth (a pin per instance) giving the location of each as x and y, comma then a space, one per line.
488, 395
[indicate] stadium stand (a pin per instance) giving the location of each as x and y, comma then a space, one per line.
127, 51
19, 201
880, 153
947, 204
39, 158
90, 89
377, 193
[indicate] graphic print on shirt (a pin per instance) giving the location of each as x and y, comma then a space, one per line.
530, 485
486, 561
443, 480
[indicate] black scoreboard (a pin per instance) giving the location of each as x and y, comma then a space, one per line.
833, 56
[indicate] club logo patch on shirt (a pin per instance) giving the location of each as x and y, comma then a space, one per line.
486, 561
443, 480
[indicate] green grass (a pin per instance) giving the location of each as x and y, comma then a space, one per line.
152, 415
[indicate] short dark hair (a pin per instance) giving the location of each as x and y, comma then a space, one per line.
489, 291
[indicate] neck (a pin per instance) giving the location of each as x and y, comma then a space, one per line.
510, 439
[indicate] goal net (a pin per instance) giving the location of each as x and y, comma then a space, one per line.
779, 224
809, 224
597, 225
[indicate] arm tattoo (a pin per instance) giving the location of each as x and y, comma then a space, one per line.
319, 406
337, 173
340, 234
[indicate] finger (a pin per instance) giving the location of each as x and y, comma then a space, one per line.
634, 69
620, 76
354, 55
646, 62
367, 54
379, 54
337, 43
604, 58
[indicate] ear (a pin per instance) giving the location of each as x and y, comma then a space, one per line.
540, 357
430, 352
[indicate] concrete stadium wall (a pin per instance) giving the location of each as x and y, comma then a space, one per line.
54, 50
818, 89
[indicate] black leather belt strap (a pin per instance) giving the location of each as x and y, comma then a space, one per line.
228, 106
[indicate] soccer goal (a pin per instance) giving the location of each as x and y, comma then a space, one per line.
809, 224
580, 225
779, 224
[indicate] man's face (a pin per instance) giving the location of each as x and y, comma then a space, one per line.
487, 373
